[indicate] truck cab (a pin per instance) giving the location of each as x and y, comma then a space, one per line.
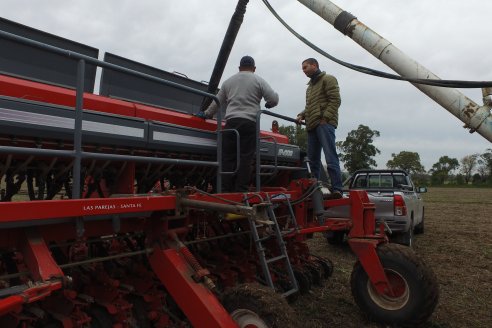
399, 204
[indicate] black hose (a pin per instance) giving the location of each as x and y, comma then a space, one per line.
370, 71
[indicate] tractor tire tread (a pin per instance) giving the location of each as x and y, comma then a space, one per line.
424, 274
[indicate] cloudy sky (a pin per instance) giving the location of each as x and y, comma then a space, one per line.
449, 37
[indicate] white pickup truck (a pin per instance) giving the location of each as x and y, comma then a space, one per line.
398, 203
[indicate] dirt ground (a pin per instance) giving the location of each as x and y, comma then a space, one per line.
456, 244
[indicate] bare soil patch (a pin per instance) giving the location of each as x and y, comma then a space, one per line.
456, 244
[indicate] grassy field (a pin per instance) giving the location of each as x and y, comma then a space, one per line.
456, 244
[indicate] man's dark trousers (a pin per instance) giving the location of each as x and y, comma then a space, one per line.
247, 134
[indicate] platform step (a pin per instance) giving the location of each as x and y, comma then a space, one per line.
276, 258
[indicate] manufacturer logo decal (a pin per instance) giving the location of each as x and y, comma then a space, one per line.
285, 152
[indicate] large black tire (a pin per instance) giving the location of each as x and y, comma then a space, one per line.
258, 306
304, 280
327, 266
419, 228
316, 272
414, 283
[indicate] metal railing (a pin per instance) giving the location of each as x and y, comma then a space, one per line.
258, 155
78, 154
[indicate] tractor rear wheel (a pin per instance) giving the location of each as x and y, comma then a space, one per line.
253, 305
415, 288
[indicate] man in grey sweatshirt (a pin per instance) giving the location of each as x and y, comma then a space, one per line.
241, 94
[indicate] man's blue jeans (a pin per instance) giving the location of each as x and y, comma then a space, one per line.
323, 137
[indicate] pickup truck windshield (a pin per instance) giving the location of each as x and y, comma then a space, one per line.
374, 181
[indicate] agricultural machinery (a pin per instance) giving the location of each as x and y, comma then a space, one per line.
112, 213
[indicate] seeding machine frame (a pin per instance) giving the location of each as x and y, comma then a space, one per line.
111, 256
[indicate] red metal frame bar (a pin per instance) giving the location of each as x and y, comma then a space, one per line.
11, 304
38, 257
52, 209
44, 271
331, 224
40, 291
365, 249
30, 90
198, 303
362, 214
14, 303
364, 242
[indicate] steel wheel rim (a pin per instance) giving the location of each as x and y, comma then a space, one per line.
400, 287
248, 319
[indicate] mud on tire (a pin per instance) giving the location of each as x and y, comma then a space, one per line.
415, 286
257, 305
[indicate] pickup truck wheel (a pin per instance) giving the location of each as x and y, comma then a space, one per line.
404, 238
414, 285
407, 238
419, 228
253, 305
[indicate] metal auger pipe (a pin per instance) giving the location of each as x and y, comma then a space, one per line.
476, 118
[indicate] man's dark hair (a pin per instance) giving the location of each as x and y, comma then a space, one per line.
311, 61
247, 61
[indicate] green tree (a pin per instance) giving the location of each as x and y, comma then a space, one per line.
477, 179
406, 160
297, 135
485, 166
468, 164
440, 171
357, 149
420, 179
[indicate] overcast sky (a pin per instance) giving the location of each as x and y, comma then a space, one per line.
449, 37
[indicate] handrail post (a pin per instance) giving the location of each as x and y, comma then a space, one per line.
258, 157
219, 145
77, 142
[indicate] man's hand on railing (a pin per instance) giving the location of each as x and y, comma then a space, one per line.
201, 114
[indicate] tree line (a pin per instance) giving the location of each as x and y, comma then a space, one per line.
358, 152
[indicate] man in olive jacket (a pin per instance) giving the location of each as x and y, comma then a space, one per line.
321, 116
